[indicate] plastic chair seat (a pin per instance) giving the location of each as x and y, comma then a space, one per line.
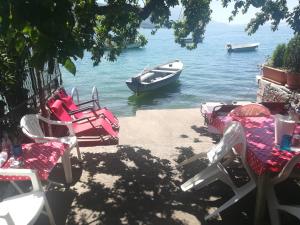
24, 208
30, 125
21, 209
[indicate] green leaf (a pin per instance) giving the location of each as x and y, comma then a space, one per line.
70, 66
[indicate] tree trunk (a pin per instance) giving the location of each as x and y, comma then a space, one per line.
41, 92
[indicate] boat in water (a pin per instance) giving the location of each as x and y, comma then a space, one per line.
135, 44
159, 76
241, 47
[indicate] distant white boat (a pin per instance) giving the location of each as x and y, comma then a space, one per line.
134, 45
156, 77
241, 47
187, 40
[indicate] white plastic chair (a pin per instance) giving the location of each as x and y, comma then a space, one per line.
24, 208
273, 203
220, 156
31, 127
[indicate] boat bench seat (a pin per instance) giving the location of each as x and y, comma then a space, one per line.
163, 71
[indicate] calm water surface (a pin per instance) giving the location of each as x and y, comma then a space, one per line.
210, 73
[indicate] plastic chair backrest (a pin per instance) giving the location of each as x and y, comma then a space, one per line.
250, 110
30, 125
59, 111
231, 138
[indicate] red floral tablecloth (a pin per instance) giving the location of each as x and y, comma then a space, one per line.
262, 154
38, 156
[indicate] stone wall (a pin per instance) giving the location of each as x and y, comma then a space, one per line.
270, 92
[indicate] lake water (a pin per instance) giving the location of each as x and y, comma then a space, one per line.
210, 73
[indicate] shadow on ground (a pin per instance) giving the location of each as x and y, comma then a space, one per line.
131, 186
202, 130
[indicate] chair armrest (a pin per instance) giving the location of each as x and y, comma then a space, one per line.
72, 112
86, 102
46, 139
191, 159
36, 186
287, 169
40, 139
80, 119
43, 139
54, 122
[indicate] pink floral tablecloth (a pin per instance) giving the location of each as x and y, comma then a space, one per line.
262, 154
38, 156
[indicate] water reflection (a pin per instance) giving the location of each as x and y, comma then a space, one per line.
156, 97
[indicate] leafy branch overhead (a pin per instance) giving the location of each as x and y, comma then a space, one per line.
65, 29
274, 11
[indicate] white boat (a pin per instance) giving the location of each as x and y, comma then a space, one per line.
156, 77
242, 47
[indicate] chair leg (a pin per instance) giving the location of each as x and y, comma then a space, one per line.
239, 193
67, 167
49, 212
190, 160
78, 153
203, 178
227, 204
225, 177
273, 206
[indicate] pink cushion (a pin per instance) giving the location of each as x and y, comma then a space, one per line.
62, 93
59, 111
50, 101
95, 113
94, 127
68, 101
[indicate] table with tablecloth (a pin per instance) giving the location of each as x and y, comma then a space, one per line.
41, 157
263, 156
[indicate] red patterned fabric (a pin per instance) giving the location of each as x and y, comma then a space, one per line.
262, 154
220, 122
38, 156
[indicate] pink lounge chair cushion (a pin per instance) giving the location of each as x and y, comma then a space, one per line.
50, 102
250, 110
91, 127
95, 113
69, 103
62, 93
59, 111
95, 127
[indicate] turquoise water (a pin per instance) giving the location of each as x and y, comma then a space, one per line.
210, 73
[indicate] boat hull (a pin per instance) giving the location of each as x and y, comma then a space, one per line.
152, 86
242, 47
155, 78
247, 49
